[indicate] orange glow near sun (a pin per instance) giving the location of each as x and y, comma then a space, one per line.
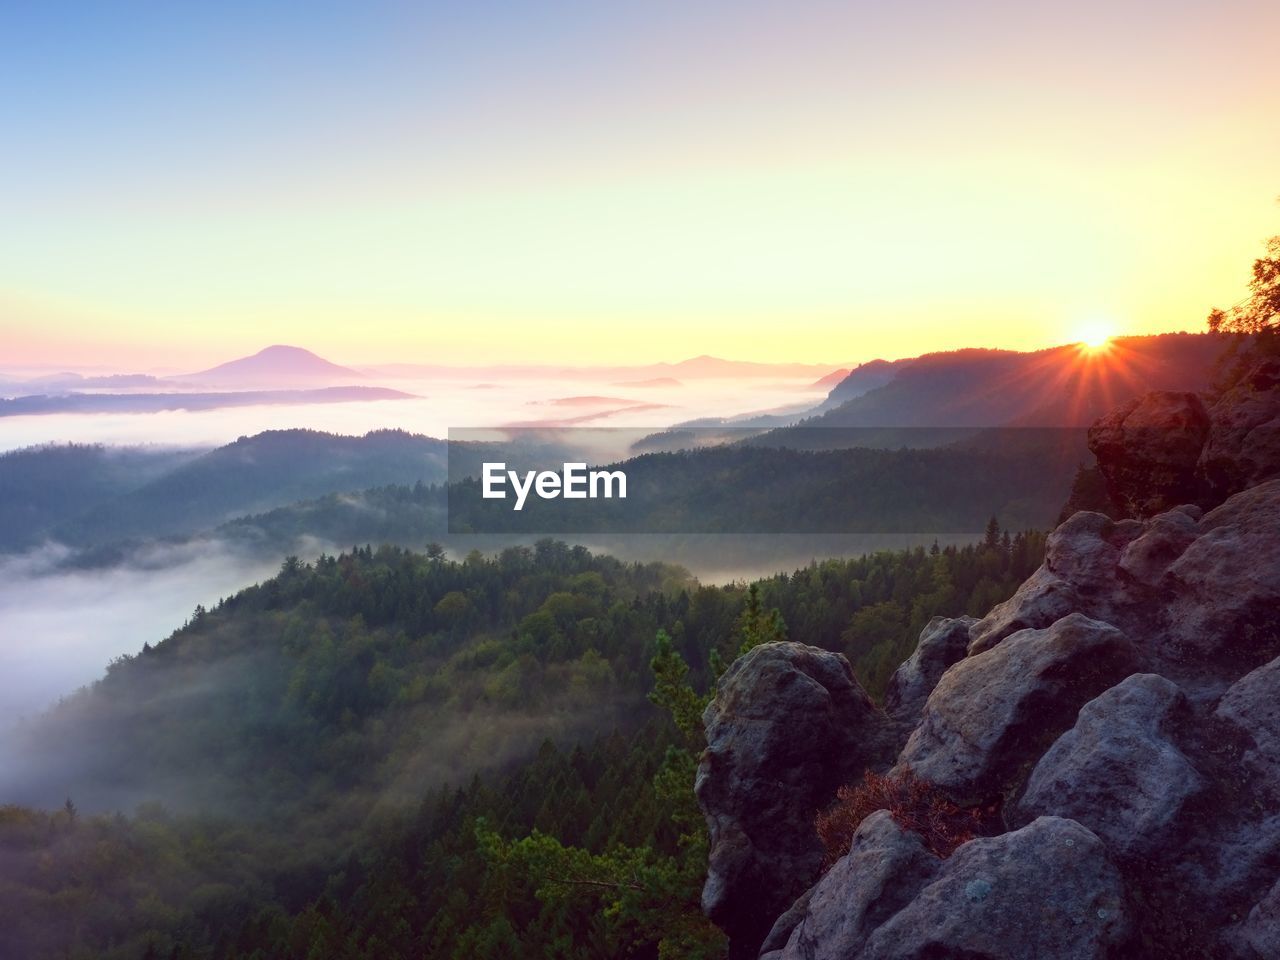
1094, 336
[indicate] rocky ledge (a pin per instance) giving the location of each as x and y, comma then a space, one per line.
1120, 713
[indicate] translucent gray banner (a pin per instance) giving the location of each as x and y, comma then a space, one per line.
716, 479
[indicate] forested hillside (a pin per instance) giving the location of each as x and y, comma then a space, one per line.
323, 714
257, 473
1021, 477
93, 495
757, 489
43, 487
284, 491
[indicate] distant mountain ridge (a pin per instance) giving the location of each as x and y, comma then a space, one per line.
703, 367
281, 365
258, 473
274, 365
1066, 386
284, 366
43, 487
862, 379
91, 496
76, 402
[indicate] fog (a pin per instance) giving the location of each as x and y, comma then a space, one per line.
59, 629
723, 558
60, 625
435, 408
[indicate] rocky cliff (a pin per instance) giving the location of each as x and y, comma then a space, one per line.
1120, 714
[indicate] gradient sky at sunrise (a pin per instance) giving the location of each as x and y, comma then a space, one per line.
182, 183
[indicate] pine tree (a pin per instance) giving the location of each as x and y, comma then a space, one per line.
991, 540
756, 625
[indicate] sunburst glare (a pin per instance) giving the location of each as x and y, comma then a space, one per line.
1095, 335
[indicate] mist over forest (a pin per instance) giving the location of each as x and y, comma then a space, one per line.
327, 639
614, 481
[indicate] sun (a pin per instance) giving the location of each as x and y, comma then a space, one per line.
1094, 336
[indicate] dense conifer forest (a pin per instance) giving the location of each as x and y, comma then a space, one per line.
411, 756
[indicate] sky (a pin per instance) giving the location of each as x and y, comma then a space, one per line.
599, 182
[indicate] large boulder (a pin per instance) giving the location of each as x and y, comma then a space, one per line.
994, 712
1222, 593
943, 642
1148, 451
1043, 599
1253, 705
1117, 771
1243, 443
885, 868
1163, 449
1186, 587
1084, 550
1078, 575
789, 724
1229, 868
1164, 538
1046, 891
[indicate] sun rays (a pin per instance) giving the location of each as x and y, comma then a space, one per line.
1095, 336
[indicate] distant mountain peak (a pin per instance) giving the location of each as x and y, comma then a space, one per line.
274, 365
284, 349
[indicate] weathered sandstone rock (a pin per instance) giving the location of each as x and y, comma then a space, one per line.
1117, 771
996, 711
789, 724
942, 642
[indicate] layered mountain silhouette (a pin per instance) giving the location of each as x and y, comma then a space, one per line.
99, 495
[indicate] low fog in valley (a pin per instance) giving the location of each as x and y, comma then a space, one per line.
62, 626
